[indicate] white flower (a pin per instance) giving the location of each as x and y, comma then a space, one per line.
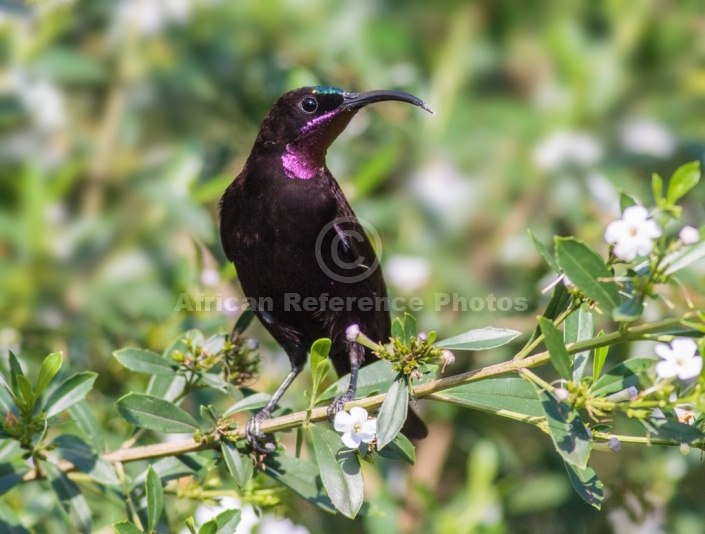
44, 102
633, 234
645, 136
408, 273
448, 358
280, 525
352, 332
679, 359
210, 277
565, 147
689, 235
356, 427
150, 17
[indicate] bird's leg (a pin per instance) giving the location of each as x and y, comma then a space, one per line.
260, 441
357, 356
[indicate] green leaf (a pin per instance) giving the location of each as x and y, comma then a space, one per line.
172, 467
625, 201
371, 379
559, 354
409, 328
244, 320
587, 271
683, 180
479, 339
544, 252
560, 299
400, 448
228, 521
71, 391
657, 189
340, 470
70, 498
301, 477
239, 465
674, 430
25, 390
252, 402
685, 256
11, 475
398, 329
578, 327
191, 525
319, 362
81, 455
155, 498
496, 395
47, 372
154, 413
209, 527
570, 436
621, 376
82, 414
598, 359
630, 310
126, 527
67, 65
586, 483
15, 371
145, 361
392, 414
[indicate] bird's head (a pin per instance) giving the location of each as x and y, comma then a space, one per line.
303, 123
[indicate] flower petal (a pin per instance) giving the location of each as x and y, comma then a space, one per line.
625, 250
359, 415
343, 421
691, 369
369, 426
685, 347
664, 351
635, 215
667, 369
614, 231
351, 440
651, 229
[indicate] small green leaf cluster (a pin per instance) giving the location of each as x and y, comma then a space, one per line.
237, 359
410, 353
30, 412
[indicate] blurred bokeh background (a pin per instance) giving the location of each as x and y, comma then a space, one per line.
122, 122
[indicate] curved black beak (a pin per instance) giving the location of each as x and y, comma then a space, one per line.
358, 100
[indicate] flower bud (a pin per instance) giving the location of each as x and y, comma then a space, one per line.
562, 394
352, 332
423, 336
252, 344
689, 235
614, 444
624, 395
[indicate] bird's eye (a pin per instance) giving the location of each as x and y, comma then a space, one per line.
309, 104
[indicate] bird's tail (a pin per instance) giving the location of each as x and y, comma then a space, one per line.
414, 427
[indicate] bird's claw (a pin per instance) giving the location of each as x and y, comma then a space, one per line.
339, 403
261, 442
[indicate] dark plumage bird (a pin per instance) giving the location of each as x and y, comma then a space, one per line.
301, 255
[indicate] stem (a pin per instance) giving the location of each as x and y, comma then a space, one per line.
428, 389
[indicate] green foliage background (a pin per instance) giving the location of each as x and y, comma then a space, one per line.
107, 216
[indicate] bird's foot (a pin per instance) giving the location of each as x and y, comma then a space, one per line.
339, 403
261, 442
